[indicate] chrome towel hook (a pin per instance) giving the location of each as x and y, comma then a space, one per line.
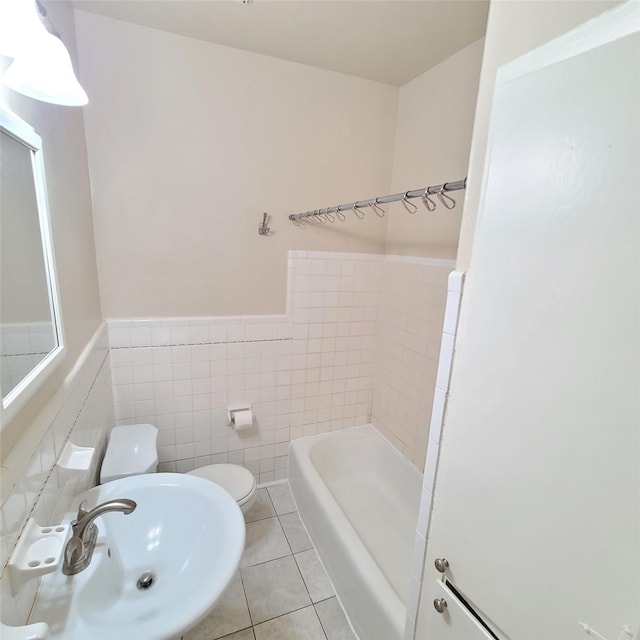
263, 228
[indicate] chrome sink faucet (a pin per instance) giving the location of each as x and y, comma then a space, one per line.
84, 533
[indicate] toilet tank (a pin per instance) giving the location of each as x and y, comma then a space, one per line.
131, 451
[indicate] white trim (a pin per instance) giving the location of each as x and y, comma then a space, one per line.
602, 29
339, 255
439, 263
194, 321
86, 353
608, 27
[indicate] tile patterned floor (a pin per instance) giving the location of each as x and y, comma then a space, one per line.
281, 591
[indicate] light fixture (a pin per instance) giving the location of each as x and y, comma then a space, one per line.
19, 25
42, 67
44, 72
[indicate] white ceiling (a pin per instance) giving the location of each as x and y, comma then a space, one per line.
390, 41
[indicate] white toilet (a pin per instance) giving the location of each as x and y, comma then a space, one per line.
132, 450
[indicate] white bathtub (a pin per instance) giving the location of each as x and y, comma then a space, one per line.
359, 498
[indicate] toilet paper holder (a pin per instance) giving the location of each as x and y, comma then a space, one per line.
231, 416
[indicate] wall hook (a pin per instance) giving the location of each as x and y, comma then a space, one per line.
263, 228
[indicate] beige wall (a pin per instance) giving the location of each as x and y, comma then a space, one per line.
514, 27
433, 138
65, 158
189, 142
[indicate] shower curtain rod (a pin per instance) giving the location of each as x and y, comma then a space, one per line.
358, 205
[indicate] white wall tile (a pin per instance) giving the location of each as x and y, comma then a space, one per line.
287, 366
42, 491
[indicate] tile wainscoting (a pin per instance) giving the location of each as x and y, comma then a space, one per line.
359, 340
309, 371
411, 311
82, 412
305, 372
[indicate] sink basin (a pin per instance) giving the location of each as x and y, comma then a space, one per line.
184, 540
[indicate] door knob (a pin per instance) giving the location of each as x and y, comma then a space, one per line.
440, 604
442, 564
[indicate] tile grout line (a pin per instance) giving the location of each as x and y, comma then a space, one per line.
291, 554
313, 604
304, 582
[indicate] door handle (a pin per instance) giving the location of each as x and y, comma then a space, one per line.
441, 564
440, 604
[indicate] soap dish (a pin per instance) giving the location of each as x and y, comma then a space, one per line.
74, 458
39, 551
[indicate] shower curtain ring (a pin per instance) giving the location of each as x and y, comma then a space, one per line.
358, 213
377, 208
427, 201
409, 206
444, 197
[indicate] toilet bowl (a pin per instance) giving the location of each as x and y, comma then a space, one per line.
236, 480
132, 451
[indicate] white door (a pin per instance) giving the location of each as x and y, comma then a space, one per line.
537, 498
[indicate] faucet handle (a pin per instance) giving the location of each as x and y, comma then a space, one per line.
74, 550
82, 510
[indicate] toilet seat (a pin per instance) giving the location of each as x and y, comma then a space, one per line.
236, 480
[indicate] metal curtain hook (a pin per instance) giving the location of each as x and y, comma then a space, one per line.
340, 215
358, 213
329, 217
377, 208
444, 197
427, 201
409, 206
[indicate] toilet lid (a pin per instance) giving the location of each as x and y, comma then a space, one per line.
236, 480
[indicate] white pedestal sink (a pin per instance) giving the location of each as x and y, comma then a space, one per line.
186, 533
